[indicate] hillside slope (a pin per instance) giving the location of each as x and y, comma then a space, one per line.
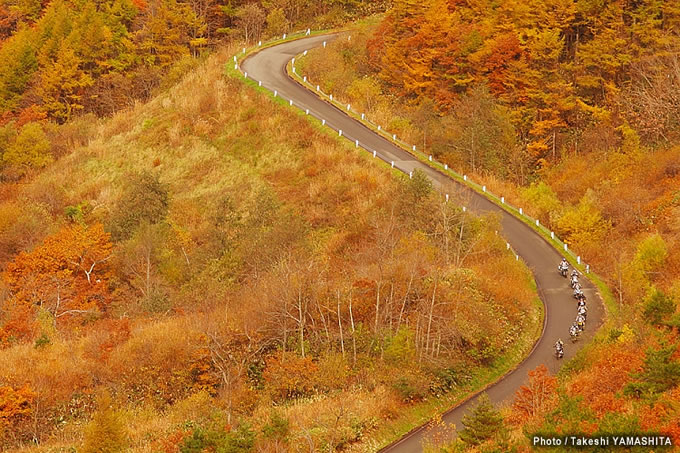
211, 270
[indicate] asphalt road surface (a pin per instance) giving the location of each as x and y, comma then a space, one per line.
268, 66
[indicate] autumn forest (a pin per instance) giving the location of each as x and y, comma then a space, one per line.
188, 265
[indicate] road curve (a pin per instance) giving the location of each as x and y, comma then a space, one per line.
269, 67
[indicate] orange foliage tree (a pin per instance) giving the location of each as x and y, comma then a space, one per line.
67, 274
14, 405
537, 396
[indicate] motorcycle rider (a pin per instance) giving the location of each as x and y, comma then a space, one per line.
578, 293
563, 267
583, 311
559, 348
581, 322
574, 278
573, 332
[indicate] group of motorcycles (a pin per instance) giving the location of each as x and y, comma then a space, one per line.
579, 324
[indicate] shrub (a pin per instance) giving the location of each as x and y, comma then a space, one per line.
144, 200
658, 307
31, 149
106, 432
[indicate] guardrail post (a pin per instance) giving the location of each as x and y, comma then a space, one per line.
356, 143
234, 58
374, 154
464, 209
236, 66
503, 200
587, 268
244, 50
340, 133
565, 247
410, 175
284, 36
537, 223
275, 93
447, 197
484, 189
446, 166
414, 148
507, 246
317, 88
348, 106
392, 164
307, 112
521, 212
578, 259
430, 157
304, 53
464, 177
259, 43
292, 61
259, 83
308, 31
516, 257
245, 74
363, 115
552, 235
331, 96
324, 44
323, 122
394, 137
291, 102
304, 79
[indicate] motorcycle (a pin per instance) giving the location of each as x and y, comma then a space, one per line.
574, 281
582, 311
562, 269
581, 322
574, 333
559, 350
578, 293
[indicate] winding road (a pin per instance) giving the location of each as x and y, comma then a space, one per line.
269, 67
